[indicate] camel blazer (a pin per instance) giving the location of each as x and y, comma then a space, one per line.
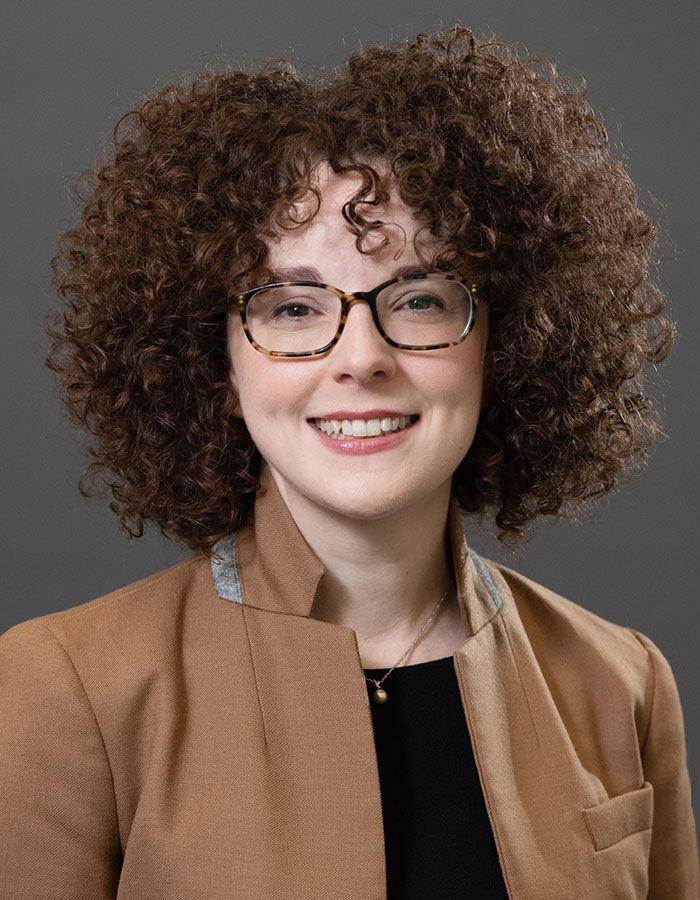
198, 736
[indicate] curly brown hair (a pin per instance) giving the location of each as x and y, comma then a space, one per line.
500, 158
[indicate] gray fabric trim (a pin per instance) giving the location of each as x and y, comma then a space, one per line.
228, 583
482, 569
225, 571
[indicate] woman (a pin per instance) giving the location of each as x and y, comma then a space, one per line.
307, 323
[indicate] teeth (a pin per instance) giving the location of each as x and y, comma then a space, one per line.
363, 427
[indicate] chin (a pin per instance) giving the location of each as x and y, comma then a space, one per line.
365, 511
365, 500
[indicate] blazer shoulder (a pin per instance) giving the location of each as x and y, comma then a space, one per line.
142, 607
564, 634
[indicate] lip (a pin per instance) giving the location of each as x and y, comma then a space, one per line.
363, 446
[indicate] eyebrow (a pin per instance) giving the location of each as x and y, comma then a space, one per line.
308, 273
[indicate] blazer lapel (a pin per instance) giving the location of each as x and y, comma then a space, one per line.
534, 784
321, 765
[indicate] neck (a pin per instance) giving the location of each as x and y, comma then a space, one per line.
384, 578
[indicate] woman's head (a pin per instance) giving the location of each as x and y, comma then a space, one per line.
509, 181
366, 429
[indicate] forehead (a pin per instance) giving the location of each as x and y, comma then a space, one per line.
327, 234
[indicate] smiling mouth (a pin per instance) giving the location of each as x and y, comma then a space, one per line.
363, 428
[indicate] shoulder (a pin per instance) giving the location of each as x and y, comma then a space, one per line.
578, 650
117, 665
142, 613
550, 618
604, 678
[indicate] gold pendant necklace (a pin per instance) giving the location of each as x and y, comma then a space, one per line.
380, 695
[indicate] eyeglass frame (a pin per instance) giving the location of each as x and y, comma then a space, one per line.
475, 292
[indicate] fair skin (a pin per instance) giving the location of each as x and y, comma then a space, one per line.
375, 519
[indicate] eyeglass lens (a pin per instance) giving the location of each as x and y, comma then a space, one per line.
298, 319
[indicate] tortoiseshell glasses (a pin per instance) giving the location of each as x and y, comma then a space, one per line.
306, 318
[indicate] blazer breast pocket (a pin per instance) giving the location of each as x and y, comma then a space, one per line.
621, 816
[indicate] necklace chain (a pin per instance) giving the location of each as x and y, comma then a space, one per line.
381, 695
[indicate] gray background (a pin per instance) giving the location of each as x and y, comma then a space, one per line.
70, 69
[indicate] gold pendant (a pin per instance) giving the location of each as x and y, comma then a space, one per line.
380, 695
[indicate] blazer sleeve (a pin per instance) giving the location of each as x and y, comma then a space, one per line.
58, 826
673, 864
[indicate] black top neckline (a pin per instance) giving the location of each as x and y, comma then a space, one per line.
435, 663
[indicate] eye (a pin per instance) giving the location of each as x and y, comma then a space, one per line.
292, 310
422, 301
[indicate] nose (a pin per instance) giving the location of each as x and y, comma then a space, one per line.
361, 353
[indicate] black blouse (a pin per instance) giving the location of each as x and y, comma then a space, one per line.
438, 838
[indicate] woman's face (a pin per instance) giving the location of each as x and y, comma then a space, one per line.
362, 378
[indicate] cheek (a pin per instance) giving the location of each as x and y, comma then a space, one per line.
266, 388
458, 396
461, 381
247, 372
254, 388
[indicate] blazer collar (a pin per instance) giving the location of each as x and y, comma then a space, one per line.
268, 565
